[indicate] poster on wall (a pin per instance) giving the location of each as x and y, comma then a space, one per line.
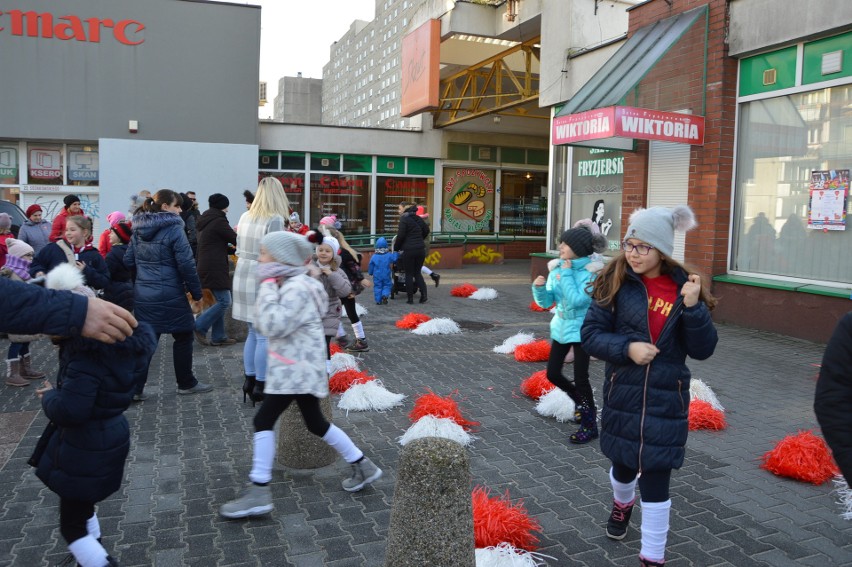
468, 200
596, 190
829, 191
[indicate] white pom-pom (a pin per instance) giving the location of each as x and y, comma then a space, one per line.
698, 390
551, 265
431, 426
360, 310
509, 345
684, 218
439, 326
484, 294
844, 494
506, 555
368, 396
556, 404
341, 361
64, 277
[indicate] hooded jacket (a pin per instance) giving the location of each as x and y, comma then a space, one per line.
214, 236
381, 262
120, 290
644, 421
84, 459
833, 400
36, 234
568, 289
412, 232
165, 271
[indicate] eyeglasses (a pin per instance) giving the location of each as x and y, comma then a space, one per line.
641, 249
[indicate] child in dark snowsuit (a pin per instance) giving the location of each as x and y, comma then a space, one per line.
381, 268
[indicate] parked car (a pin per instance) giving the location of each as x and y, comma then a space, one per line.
14, 211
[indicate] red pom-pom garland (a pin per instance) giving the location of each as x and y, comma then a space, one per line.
538, 351
343, 380
537, 385
803, 457
412, 320
432, 404
702, 415
463, 290
335, 348
496, 520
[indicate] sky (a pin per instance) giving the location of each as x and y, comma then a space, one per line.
295, 37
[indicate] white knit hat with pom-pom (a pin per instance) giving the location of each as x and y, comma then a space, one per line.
656, 226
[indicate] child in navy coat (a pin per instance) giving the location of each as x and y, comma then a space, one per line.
381, 268
83, 460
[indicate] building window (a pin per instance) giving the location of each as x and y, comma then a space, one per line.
782, 141
597, 179
523, 203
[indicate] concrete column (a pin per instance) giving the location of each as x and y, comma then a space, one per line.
298, 448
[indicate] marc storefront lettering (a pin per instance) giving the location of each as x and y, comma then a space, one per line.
46, 25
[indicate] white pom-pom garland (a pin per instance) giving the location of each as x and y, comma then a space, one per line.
506, 555
341, 361
431, 426
698, 390
439, 326
360, 310
556, 404
484, 294
509, 345
368, 396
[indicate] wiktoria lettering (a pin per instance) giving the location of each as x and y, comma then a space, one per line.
600, 124
655, 127
65, 28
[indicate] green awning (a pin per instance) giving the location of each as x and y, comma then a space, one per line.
618, 76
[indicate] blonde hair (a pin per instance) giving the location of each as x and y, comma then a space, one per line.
339, 236
85, 223
270, 200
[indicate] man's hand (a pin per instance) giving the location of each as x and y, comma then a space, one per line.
107, 322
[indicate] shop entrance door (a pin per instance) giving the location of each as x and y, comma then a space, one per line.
668, 181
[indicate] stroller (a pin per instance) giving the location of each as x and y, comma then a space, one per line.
397, 274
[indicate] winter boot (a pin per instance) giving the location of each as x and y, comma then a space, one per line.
257, 392
648, 563
435, 278
619, 519
588, 426
363, 473
27, 370
255, 500
248, 386
410, 299
360, 345
13, 373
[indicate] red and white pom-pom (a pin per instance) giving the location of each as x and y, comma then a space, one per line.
343, 361
463, 290
335, 348
496, 520
432, 404
534, 307
484, 294
698, 390
505, 555
538, 351
412, 320
556, 404
431, 426
343, 380
803, 456
509, 345
536, 385
702, 415
844, 496
439, 326
369, 396
360, 310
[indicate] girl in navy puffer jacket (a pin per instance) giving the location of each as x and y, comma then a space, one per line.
648, 315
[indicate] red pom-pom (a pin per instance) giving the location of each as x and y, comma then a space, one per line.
412, 320
463, 290
432, 404
538, 351
537, 385
335, 348
496, 520
343, 380
534, 307
803, 457
702, 415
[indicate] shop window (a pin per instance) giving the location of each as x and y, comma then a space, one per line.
292, 160
293, 183
468, 200
358, 164
83, 166
523, 203
325, 162
44, 164
513, 155
267, 160
421, 166
559, 194
783, 226
391, 191
597, 179
459, 152
347, 196
9, 164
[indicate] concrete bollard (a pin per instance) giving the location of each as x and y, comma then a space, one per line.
432, 515
298, 448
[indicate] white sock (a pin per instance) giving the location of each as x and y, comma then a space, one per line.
264, 455
426, 270
340, 442
621, 492
88, 552
328, 367
358, 328
93, 526
341, 332
655, 529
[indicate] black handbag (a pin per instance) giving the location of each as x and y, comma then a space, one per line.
41, 444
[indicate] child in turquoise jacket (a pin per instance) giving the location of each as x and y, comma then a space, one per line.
568, 286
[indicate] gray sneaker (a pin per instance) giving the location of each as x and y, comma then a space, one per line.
363, 473
199, 388
253, 501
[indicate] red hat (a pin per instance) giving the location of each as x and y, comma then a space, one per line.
33, 209
122, 230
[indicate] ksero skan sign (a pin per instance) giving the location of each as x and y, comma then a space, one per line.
45, 25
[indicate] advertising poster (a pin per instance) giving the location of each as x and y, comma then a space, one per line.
829, 191
468, 200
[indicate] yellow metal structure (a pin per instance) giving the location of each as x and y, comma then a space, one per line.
490, 87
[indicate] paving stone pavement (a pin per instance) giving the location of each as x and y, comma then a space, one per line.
191, 453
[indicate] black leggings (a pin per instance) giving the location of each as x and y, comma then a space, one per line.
580, 390
654, 486
274, 405
351, 312
73, 515
412, 262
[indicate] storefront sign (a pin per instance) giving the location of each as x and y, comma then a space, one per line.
45, 163
468, 200
45, 25
827, 204
8, 162
83, 166
626, 122
420, 68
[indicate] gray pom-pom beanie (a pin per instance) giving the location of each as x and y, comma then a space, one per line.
656, 226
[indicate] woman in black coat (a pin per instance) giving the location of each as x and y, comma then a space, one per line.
410, 240
215, 236
833, 401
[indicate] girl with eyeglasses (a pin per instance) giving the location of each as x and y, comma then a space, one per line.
648, 314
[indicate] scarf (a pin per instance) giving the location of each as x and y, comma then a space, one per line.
19, 266
268, 270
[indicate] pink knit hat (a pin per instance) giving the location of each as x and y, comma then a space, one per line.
330, 220
115, 217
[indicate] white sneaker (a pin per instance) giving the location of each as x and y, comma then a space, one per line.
255, 500
363, 473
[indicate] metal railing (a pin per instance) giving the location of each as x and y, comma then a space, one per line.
369, 240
